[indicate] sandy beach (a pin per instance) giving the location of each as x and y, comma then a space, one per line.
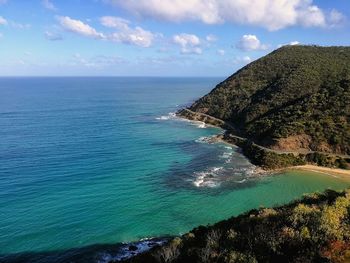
325, 170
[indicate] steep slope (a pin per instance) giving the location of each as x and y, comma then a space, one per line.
297, 97
314, 229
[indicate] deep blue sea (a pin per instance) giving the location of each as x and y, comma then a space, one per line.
87, 161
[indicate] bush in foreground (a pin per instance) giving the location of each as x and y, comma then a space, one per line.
314, 229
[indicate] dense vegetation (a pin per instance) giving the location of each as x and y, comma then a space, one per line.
295, 90
270, 159
314, 229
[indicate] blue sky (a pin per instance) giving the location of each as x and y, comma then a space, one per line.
158, 37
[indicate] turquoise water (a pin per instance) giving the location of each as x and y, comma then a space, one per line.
100, 160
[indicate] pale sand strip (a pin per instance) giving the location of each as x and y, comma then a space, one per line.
325, 170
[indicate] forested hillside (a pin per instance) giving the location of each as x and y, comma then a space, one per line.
297, 97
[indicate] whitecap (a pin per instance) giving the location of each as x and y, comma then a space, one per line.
241, 181
202, 139
199, 124
206, 139
124, 252
208, 178
171, 115
216, 176
226, 155
216, 169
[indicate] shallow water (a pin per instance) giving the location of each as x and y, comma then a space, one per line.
102, 160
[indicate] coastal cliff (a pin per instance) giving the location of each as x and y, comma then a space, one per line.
293, 104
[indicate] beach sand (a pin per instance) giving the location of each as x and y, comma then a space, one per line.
335, 172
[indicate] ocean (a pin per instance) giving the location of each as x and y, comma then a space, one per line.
87, 163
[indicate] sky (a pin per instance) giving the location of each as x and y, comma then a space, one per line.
159, 37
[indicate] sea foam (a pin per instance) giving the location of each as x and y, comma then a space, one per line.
171, 115
208, 178
125, 251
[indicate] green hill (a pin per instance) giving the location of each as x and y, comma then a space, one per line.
314, 229
297, 97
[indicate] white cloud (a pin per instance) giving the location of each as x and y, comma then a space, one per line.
250, 43
189, 43
211, 38
49, 5
103, 60
242, 60
125, 34
19, 25
292, 43
312, 16
52, 36
173, 10
13, 24
336, 18
137, 36
246, 59
186, 40
270, 14
220, 52
97, 62
192, 50
115, 22
238, 60
134, 36
78, 27
3, 21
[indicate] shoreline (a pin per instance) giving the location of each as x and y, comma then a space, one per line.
334, 172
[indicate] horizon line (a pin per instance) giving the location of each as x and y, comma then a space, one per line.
102, 76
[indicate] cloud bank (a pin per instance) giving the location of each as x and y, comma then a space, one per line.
270, 14
122, 31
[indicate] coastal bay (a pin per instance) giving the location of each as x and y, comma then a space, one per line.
107, 162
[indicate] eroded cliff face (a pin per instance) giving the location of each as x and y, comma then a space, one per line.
301, 142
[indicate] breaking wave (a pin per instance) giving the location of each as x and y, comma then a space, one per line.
215, 176
171, 115
207, 139
207, 178
129, 250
